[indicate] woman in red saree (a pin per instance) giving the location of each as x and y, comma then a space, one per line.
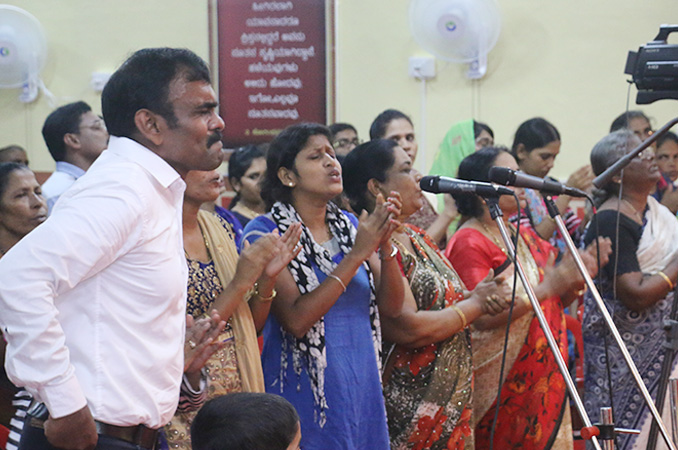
534, 412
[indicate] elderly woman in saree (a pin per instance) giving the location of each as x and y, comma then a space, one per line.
637, 285
428, 376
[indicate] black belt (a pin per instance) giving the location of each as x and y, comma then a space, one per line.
139, 435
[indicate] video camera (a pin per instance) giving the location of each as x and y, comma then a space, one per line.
655, 68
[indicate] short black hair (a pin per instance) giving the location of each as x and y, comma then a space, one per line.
6, 170
478, 127
245, 421
143, 81
60, 122
380, 123
534, 133
240, 162
669, 136
622, 120
281, 153
341, 126
475, 167
369, 160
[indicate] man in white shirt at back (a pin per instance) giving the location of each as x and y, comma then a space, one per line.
75, 138
93, 301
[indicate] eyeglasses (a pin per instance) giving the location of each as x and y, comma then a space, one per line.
343, 143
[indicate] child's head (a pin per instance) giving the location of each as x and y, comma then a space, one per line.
246, 421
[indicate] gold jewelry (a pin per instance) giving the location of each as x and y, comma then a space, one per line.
334, 277
461, 315
666, 278
191, 344
494, 238
245, 211
261, 297
394, 250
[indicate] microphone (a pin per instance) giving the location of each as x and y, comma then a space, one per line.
508, 177
445, 185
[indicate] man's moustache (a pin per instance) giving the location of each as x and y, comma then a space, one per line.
214, 138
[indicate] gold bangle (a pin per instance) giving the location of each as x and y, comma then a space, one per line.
394, 250
461, 314
334, 277
666, 278
261, 297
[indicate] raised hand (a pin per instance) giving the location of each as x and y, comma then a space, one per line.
589, 256
582, 179
254, 258
376, 228
491, 293
288, 248
201, 340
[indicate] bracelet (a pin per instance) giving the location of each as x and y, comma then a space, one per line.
394, 250
461, 314
666, 278
334, 277
261, 297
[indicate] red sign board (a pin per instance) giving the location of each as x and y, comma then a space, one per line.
272, 67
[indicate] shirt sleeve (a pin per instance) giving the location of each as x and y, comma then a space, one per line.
190, 399
83, 236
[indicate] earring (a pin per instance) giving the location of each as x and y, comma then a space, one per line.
291, 184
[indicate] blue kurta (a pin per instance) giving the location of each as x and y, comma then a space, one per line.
356, 417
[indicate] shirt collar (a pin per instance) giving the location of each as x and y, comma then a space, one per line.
72, 170
146, 158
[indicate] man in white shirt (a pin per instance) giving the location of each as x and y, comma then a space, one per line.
75, 137
93, 300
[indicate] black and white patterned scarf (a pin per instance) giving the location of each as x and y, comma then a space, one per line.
310, 349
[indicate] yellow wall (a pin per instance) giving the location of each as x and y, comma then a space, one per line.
88, 36
559, 59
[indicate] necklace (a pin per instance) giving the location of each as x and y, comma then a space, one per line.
245, 211
494, 237
638, 216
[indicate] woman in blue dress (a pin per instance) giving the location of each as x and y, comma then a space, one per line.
323, 338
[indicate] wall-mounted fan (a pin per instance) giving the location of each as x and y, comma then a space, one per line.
461, 31
23, 51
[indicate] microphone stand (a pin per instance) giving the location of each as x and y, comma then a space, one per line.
553, 212
589, 432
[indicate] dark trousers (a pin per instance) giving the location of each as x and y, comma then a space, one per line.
33, 438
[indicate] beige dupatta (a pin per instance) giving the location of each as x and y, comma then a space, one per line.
488, 345
225, 259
